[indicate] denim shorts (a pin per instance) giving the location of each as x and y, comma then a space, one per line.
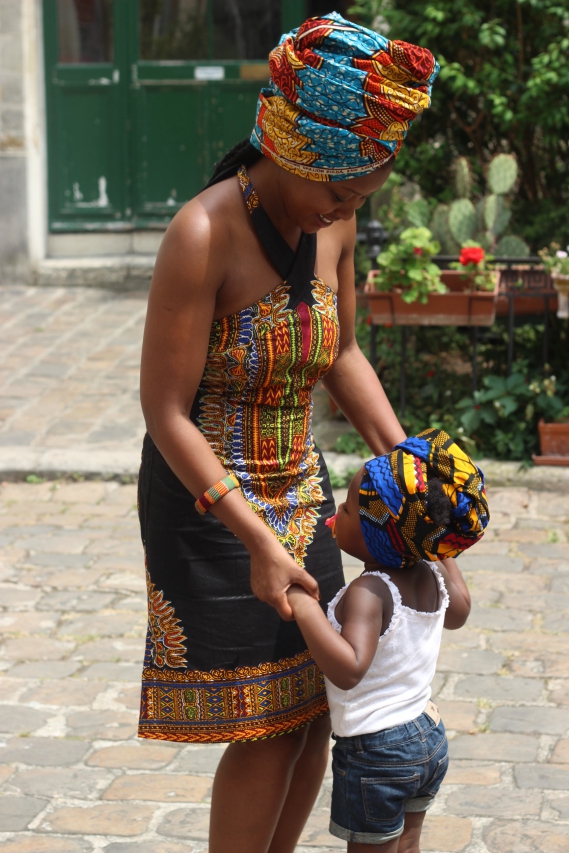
378, 777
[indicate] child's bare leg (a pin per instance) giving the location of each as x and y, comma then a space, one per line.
249, 791
408, 842
304, 787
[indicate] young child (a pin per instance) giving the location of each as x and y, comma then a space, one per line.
378, 648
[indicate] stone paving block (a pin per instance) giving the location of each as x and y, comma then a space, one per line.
192, 823
490, 563
559, 508
48, 669
57, 543
17, 719
102, 819
464, 638
109, 671
559, 693
39, 844
5, 773
158, 787
542, 776
558, 804
457, 716
145, 755
29, 622
519, 836
17, 812
114, 650
472, 773
499, 687
198, 759
451, 834
557, 622
101, 624
104, 725
129, 696
547, 602
10, 688
530, 643
136, 603
29, 649
43, 751
12, 596
58, 782
528, 720
499, 618
150, 847
561, 752
508, 584
80, 578
471, 800
477, 661
547, 550
89, 491
316, 832
488, 746
125, 581
75, 601
58, 561
560, 583
68, 692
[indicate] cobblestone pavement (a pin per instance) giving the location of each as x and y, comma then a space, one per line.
74, 777
69, 363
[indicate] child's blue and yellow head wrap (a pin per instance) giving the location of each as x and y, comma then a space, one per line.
394, 495
341, 99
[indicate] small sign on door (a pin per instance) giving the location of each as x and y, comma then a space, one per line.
209, 72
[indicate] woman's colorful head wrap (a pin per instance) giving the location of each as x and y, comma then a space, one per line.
341, 99
394, 494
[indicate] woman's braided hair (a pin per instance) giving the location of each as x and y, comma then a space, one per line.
242, 154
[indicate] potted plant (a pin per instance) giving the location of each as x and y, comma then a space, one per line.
556, 262
408, 289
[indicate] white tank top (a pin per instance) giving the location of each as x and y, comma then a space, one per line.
397, 686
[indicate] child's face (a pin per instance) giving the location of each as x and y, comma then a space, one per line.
349, 534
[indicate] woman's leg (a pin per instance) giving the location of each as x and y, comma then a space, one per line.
249, 792
304, 787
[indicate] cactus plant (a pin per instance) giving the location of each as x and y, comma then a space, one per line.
419, 213
463, 177
486, 222
502, 174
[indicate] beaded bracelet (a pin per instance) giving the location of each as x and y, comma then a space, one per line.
217, 491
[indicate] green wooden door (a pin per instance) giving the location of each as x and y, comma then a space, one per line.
144, 97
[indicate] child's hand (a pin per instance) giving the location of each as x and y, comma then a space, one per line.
300, 600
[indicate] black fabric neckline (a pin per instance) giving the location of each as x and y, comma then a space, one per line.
295, 268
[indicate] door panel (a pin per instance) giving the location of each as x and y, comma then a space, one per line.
169, 147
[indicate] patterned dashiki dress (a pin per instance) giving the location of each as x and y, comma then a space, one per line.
220, 665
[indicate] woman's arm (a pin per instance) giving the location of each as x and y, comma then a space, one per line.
188, 274
352, 382
343, 658
458, 609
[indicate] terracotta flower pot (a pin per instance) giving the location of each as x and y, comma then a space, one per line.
530, 297
554, 443
458, 307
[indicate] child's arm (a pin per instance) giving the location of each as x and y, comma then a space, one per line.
343, 658
458, 610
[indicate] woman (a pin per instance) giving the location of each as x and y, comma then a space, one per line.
252, 302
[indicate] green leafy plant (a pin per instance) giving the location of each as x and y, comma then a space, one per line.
476, 267
406, 265
501, 418
555, 260
352, 442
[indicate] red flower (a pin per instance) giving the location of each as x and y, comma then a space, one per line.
429, 374
417, 250
471, 255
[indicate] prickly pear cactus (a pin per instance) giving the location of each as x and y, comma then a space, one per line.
502, 173
511, 246
462, 220
496, 213
441, 230
418, 213
463, 177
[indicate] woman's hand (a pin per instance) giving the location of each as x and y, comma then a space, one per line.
273, 571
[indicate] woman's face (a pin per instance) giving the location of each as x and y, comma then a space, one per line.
348, 529
315, 205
